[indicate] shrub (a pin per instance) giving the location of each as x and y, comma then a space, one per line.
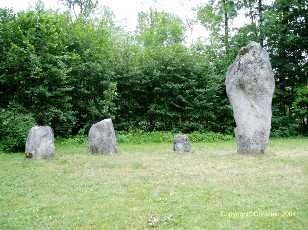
208, 137
15, 123
141, 137
138, 137
283, 126
78, 139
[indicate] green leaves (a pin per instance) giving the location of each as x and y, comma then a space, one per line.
15, 122
171, 88
56, 69
216, 16
300, 108
209, 18
71, 72
159, 29
285, 29
81, 8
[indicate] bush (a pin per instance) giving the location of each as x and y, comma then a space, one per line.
15, 123
141, 137
283, 126
208, 137
78, 139
138, 137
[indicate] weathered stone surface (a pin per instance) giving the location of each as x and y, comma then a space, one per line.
181, 143
102, 139
40, 143
250, 86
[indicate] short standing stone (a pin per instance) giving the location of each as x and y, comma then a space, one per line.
250, 86
181, 143
102, 139
40, 143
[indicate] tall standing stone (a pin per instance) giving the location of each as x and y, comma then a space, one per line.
102, 139
40, 143
250, 86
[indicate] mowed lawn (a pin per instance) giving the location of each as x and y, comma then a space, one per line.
146, 186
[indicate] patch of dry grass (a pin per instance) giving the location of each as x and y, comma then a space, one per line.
147, 186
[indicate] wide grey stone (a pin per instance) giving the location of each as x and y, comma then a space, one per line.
40, 143
250, 86
181, 143
102, 139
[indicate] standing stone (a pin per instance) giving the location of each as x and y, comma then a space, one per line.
102, 139
250, 86
40, 143
181, 143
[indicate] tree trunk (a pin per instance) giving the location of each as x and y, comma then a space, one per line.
226, 19
252, 18
251, 13
260, 9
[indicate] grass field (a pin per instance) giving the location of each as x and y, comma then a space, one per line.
147, 186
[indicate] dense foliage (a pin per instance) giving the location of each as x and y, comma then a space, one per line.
68, 70
15, 122
141, 137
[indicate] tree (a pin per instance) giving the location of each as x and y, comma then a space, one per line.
57, 69
251, 13
33, 71
159, 29
81, 8
286, 35
260, 10
70, 73
216, 16
254, 10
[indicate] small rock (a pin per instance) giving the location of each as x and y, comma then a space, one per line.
153, 221
181, 143
40, 143
102, 139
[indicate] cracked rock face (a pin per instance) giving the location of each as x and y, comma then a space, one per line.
102, 139
250, 86
40, 142
181, 143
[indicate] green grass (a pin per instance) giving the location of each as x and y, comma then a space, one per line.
146, 186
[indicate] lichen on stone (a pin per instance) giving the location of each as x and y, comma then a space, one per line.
244, 50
